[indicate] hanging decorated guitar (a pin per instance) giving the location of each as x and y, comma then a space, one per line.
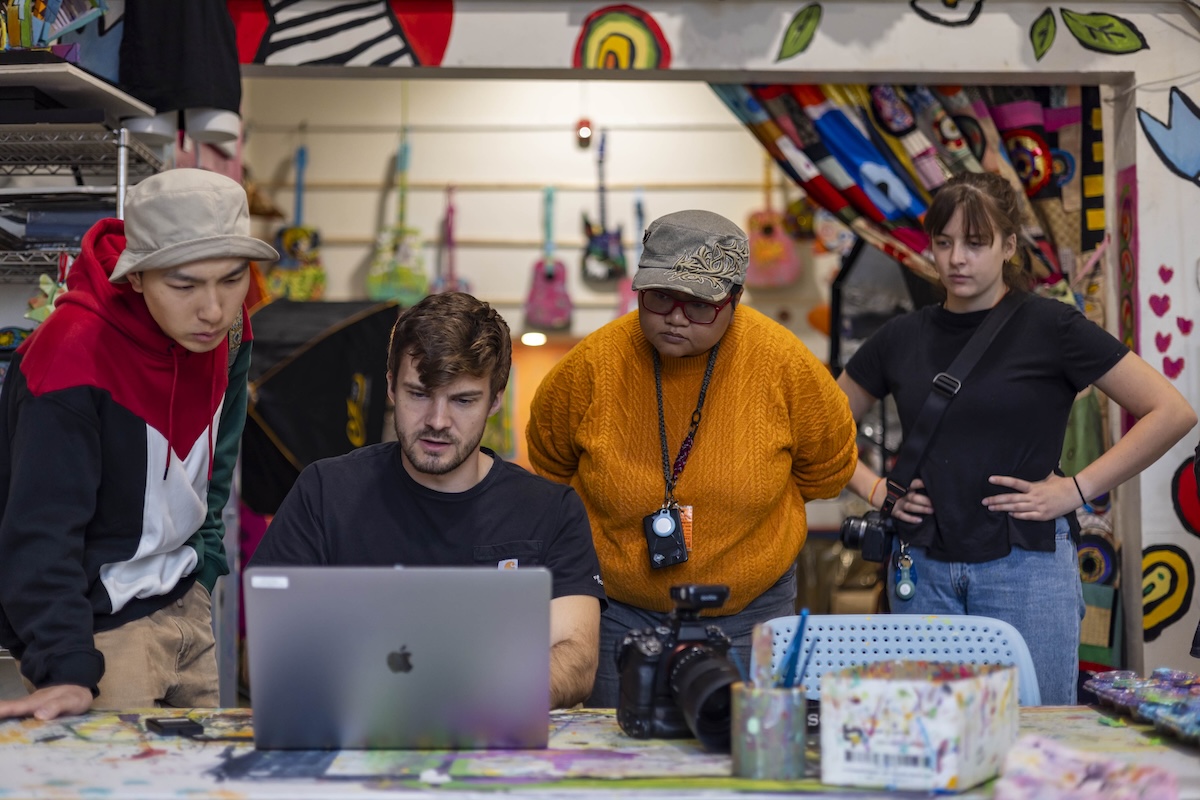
298, 274
626, 296
548, 306
447, 280
603, 257
773, 258
398, 270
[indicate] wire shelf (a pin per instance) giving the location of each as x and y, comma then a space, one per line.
53, 150
26, 266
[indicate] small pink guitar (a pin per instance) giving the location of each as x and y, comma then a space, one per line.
548, 306
773, 258
446, 280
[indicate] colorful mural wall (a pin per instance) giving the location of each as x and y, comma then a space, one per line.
873, 154
381, 34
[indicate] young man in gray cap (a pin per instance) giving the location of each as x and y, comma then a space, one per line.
119, 426
694, 431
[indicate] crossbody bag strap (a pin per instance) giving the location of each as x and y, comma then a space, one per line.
945, 386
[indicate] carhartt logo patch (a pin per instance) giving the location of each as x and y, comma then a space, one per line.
508, 563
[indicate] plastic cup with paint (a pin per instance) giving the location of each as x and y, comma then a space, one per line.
770, 733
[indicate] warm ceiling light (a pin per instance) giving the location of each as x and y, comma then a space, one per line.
533, 339
583, 132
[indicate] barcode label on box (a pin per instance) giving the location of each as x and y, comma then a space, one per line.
889, 760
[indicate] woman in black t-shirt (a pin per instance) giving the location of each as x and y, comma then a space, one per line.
989, 520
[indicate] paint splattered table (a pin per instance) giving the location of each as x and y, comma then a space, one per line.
111, 755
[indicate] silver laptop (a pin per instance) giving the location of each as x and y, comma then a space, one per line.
398, 658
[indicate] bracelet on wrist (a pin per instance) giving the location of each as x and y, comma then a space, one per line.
871, 494
1081, 497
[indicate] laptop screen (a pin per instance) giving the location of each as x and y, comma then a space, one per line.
398, 657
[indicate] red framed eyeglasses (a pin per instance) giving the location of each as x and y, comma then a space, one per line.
696, 311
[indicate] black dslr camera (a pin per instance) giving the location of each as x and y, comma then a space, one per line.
675, 678
872, 533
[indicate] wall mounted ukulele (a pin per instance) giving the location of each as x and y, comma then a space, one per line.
447, 279
298, 274
603, 256
548, 306
773, 257
398, 270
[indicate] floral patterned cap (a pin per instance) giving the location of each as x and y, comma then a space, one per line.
697, 252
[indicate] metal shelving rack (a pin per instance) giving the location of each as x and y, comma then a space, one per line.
88, 152
70, 149
78, 151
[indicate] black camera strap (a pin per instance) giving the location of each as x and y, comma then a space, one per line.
945, 386
671, 476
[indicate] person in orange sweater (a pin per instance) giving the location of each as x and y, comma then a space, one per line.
694, 430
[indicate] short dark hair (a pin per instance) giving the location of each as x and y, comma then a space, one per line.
990, 207
451, 334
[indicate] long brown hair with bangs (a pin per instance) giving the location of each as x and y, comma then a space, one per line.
990, 208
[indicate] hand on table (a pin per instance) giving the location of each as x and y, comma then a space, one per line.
49, 702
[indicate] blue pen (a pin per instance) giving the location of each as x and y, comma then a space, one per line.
807, 658
789, 657
741, 668
793, 652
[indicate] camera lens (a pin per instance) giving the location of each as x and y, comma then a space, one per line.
700, 679
852, 532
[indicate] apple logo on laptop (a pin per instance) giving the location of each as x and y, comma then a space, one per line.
400, 660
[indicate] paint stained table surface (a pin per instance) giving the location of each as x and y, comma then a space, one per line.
110, 754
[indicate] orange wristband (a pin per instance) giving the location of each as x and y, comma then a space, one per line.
871, 494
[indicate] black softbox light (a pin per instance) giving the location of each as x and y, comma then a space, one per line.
318, 388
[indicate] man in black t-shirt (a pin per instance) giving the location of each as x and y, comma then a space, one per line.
436, 498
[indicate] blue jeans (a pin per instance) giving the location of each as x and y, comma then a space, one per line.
1039, 594
619, 618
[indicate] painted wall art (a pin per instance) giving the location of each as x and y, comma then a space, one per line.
385, 33
1098, 32
1184, 497
951, 13
621, 37
1160, 306
1127, 254
800, 31
1168, 580
1177, 142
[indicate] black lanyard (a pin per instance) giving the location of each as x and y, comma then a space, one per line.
671, 477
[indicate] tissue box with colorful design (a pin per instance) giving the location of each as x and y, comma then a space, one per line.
917, 724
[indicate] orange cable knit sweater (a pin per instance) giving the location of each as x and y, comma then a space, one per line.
776, 431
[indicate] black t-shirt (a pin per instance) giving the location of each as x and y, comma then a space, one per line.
1009, 418
364, 509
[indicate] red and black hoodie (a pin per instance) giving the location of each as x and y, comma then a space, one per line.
117, 448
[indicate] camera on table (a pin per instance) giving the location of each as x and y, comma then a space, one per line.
872, 533
674, 679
